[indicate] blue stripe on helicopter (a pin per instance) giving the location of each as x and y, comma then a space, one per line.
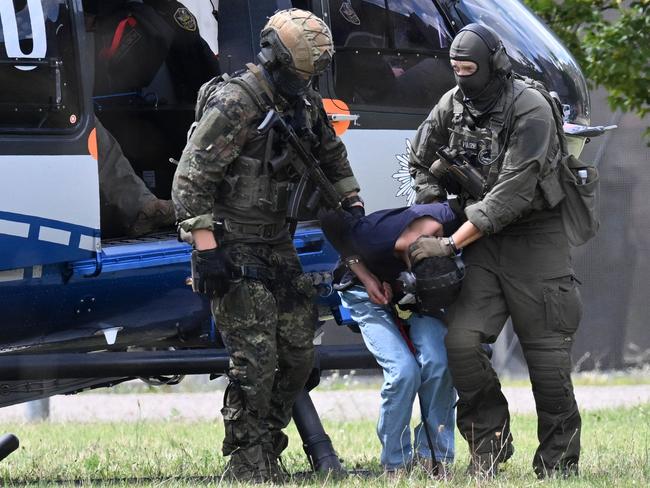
26, 240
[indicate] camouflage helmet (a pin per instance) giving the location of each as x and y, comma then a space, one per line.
298, 40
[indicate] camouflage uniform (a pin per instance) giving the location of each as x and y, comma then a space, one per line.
521, 268
267, 318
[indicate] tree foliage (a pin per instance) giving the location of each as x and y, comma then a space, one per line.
610, 39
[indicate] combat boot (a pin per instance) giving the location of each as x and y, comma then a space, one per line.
155, 214
247, 466
485, 466
436, 470
562, 471
272, 460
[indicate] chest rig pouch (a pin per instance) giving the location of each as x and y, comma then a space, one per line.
484, 147
251, 181
481, 146
254, 179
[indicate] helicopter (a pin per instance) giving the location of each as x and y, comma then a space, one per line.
81, 310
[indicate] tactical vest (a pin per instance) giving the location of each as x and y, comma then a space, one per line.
486, 147
257, 187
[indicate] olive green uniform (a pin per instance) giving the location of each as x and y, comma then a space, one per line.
521, 268
225, 182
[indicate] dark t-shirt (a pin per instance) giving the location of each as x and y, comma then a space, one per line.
375, 235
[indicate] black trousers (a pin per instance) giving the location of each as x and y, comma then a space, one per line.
529, 278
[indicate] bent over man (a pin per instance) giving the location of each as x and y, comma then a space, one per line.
514, 246
231, 191
411, 352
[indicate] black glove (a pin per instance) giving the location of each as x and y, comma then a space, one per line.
213, 270
357, 211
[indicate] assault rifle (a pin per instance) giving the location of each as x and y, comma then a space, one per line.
306, 165
462, 171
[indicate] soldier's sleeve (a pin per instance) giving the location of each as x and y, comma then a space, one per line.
431, 134
525, 157
333, 156
217, 141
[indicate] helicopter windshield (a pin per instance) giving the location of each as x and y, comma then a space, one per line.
534, 50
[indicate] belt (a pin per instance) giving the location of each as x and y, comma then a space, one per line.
258, 273
266, 231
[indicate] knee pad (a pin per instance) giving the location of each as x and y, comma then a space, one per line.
470, 370
550, 375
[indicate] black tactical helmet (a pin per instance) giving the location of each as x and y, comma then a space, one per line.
437, 282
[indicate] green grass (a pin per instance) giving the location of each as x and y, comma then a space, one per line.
616, 452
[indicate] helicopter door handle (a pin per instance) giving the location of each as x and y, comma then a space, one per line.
343, 117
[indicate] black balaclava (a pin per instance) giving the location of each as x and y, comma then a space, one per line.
288, 83
482, 89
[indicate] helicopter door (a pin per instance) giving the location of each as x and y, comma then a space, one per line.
49, 194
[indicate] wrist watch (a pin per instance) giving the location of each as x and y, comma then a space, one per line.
452, 245
352, 260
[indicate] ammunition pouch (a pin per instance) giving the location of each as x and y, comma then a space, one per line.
248, 185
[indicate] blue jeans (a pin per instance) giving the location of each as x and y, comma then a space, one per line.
406, 375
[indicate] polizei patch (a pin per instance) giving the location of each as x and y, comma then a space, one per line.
185, 19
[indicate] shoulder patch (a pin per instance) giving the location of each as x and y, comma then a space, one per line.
185, 19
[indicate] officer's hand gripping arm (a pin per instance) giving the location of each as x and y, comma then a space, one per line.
429, 247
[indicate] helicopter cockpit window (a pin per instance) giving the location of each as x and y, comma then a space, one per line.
390, 53
350, 31
40, 88
417, 26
